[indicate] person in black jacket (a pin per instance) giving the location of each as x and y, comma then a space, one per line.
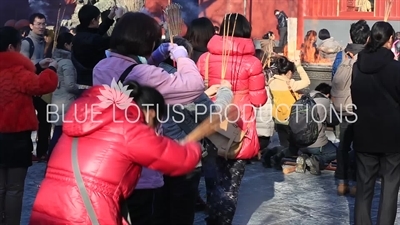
89, 44
282, 27
375, 92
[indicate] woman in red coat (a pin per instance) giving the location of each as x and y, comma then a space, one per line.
245, 73
114, 141
18, 84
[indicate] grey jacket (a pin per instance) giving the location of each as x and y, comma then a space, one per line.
264, 121
38, 42
67, 88
324, 113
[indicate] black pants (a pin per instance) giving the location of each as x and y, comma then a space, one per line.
284, 139
283, 36
44, 127
223, 199
264, 142
144, 205
12, 181
345, 169
369, 166
179, 195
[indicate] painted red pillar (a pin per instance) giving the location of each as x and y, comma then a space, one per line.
300, 22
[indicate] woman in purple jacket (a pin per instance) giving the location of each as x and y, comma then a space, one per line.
131, 41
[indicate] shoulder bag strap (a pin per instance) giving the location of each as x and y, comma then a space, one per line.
126, 73
206, 70
291, 91
385, 92
81, 184
31, 47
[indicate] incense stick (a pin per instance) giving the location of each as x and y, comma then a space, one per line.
388, 9
57, 28
174, 21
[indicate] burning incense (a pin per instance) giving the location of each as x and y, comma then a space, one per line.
225, 40
388, 9
174, 21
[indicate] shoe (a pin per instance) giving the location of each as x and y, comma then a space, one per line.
301, 164
276, 162
353, 191
313, 164
342, 189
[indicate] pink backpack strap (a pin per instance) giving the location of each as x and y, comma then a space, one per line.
394, 50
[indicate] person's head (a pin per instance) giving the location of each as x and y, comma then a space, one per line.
285, 67
48, 36
324, 34
397, 36
200, 31
276, 12
216, 29
150, 101
324, 88
89, 16
10, 39
359, 32
382, 34
269, 36
130, 37
236, 25
25, 31
37, 23
64, 41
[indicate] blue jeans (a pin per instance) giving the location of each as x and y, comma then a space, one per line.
57, 132
324, 154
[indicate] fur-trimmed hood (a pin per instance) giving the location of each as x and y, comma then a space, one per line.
13, 59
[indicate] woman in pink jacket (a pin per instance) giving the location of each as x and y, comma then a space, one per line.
132, 43
245, 73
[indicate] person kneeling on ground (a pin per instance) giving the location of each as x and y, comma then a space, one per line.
322, 151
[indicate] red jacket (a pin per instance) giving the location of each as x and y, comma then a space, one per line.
111, 155
245, 73
18, 84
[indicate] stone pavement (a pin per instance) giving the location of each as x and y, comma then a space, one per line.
267, 197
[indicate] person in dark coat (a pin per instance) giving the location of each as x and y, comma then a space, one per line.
89, 44
375, 92
282, 27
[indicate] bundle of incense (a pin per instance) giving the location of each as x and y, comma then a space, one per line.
57, 27
174, 21
388, 9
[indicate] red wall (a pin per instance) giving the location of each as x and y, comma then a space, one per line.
259, 12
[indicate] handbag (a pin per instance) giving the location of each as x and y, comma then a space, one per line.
81, 185
229, 136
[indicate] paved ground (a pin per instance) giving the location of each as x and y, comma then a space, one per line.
266, 197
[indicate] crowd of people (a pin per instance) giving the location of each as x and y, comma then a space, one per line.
109, 163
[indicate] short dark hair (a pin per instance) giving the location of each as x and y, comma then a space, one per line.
25, 31
359, 32
64, 38
276, 10
324, 88
324, 34
9, 36
87, 13
200, 31
131, 37
284, 65
242, 27
34, 16
268, 35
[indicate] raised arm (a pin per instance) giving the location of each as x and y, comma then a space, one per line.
161, 153
258, 95
303, 82
44, 83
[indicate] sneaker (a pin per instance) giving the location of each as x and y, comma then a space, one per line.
313, 164
342, 189
301, 164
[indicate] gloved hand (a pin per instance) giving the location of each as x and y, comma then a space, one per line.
160, 54
177, 52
